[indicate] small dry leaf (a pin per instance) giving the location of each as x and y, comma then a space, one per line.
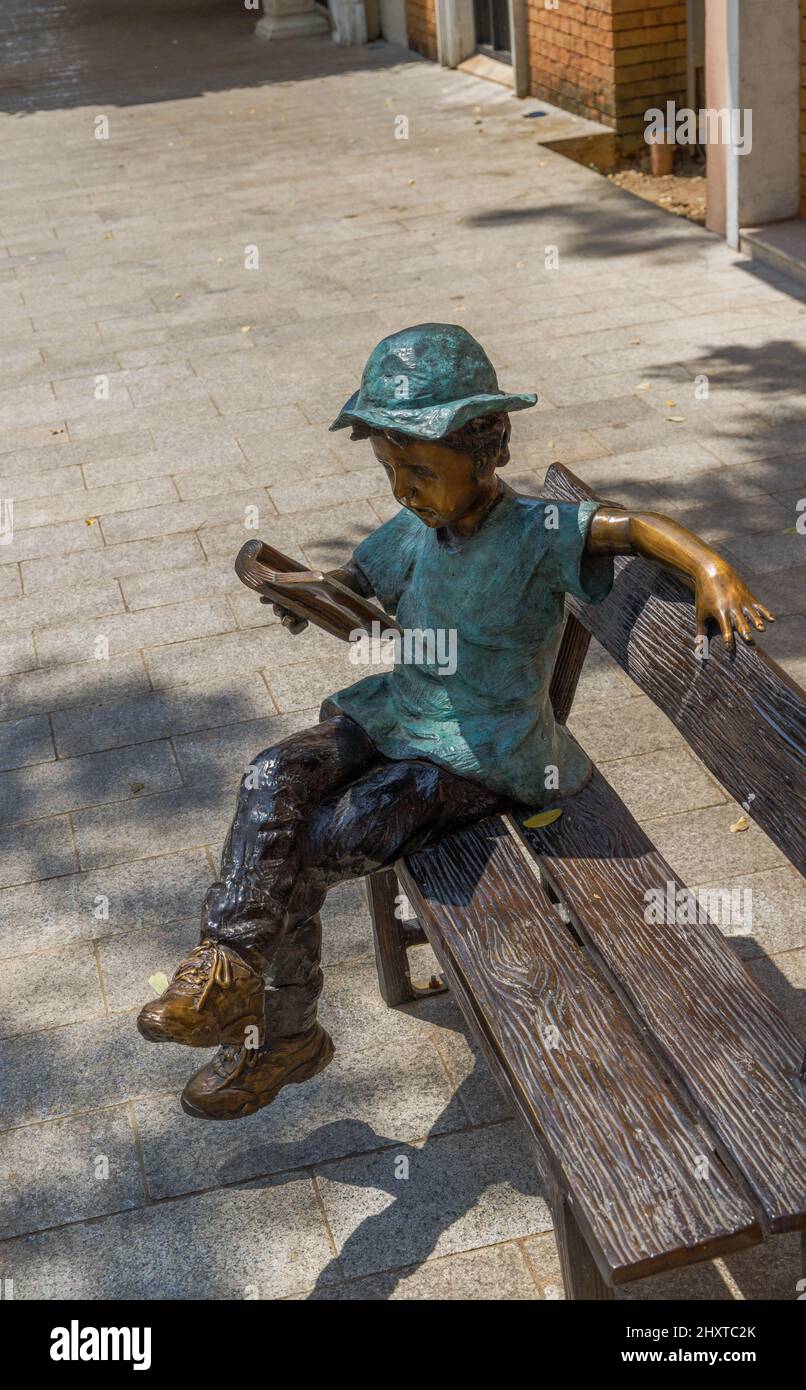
177, 295
644, 386
741, 824
634, 342
671, 402
247, 328
543, 818
135, 787
90, 520
677, 419
158, 982
519, 265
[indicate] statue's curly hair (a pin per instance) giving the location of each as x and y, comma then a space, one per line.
483, 437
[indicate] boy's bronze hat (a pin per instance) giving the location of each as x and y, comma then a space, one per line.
427, 381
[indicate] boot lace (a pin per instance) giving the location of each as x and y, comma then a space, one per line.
205, 966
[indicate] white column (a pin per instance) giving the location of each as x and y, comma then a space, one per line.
753, 70
290, 19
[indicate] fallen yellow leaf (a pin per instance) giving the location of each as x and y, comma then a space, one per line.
543, 818
677, 419
741, 824
158, 982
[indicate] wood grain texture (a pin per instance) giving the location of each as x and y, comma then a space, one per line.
726, 1043
389, 938
568, 667
739, 712
617, 1140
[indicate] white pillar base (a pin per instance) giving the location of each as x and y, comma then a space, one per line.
290, 19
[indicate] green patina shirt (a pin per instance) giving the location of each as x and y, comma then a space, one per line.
499, 598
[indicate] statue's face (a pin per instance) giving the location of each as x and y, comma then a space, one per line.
440, 485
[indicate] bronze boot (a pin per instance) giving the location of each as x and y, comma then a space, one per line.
240, 1080
213, 998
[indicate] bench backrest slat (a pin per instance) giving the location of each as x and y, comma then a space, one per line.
739, 711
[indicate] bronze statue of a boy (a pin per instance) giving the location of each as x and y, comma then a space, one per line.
404, 757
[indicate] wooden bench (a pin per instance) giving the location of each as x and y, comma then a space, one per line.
661, 1090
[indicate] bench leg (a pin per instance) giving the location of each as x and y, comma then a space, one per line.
394, 978
581, 1276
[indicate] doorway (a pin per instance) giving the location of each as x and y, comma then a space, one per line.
493, 35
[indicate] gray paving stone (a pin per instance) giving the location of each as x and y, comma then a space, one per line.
213, 658
160, 714
22, 485
80, 503
362, 1102
38, 851
700, 846
317, 492
223, 755
761, 554
25, 741
213, 1246
497, 1273
482, 1099
777, 907
199, 581
174, 516
785, 642
17, 653
346, 926
653, 784
129, 960
44, 991
67, 1170
43, 609
174, 623
82, 684
112, 901
303, 687
352, 1010
86, 1066
9, 581
94, 779
486, 1191
615, 728
111, 561
151, 825
783, 978
57, 540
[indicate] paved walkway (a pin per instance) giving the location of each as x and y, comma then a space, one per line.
140, 676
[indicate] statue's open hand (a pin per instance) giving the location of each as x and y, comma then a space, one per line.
289, 620
722, 595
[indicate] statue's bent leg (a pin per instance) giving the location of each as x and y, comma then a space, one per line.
216, 994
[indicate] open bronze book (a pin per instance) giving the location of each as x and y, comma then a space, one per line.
308, 593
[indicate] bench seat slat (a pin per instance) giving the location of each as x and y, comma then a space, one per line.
724, 1039
739, 712
620, 1141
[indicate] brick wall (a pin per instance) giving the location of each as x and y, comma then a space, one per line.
803, 108
609, 59
421, 22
